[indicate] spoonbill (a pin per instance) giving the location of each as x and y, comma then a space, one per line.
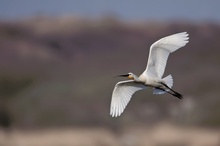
152, 76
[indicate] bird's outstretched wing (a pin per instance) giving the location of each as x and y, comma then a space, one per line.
122, 94
160, 50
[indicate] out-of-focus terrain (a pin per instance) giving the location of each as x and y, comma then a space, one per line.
163, 134
57, 73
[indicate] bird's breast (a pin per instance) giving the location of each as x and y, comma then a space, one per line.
154, 82
142, 78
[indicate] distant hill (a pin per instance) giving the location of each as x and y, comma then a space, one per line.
65, 67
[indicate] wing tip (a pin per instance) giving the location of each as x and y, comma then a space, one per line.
183, 38
185, 35
115, 114
115, 111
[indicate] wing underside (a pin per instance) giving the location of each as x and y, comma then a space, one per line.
160, 50
122, 94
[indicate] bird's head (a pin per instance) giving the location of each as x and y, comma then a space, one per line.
128, 75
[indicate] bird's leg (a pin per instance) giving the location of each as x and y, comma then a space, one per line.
168, 92
178, 95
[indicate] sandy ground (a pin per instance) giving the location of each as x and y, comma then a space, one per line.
161, 135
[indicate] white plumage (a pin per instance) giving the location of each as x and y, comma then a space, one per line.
122, 94
152, 76
160, 51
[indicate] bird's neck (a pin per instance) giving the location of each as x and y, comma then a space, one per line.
136, 78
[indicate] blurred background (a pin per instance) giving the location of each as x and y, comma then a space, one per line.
58, 59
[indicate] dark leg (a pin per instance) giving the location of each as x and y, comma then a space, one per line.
176, 94
164, 90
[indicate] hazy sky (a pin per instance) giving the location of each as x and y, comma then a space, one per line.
126, 9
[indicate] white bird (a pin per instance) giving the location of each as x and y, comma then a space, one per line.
152, 76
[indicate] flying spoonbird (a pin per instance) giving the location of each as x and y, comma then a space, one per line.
152, 76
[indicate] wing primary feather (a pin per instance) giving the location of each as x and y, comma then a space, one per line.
160, 50
122, 94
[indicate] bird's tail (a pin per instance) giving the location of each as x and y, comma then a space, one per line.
168, 81
168, 84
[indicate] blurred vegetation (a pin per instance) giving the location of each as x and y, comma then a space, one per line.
59, 72
11, 87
